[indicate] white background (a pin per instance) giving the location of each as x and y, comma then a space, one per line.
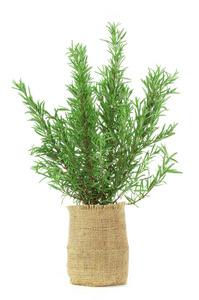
163, 231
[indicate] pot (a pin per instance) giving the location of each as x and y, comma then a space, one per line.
97, 250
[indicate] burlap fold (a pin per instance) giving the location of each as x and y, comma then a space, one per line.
98, 251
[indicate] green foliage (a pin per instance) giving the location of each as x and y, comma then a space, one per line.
105, 143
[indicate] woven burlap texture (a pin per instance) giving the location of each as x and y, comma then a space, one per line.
98, 251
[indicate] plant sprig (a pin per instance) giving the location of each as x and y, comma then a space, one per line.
104, 144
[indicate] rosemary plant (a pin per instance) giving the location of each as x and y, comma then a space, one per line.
104, 144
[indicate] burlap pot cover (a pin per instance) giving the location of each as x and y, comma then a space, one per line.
98, 251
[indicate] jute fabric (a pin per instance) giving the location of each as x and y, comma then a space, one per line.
97, 250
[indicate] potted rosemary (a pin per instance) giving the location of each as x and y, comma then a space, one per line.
98, 150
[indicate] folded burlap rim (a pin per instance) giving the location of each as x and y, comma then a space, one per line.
97, 206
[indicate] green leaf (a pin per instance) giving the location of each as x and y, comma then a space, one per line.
54, 186
174, 171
